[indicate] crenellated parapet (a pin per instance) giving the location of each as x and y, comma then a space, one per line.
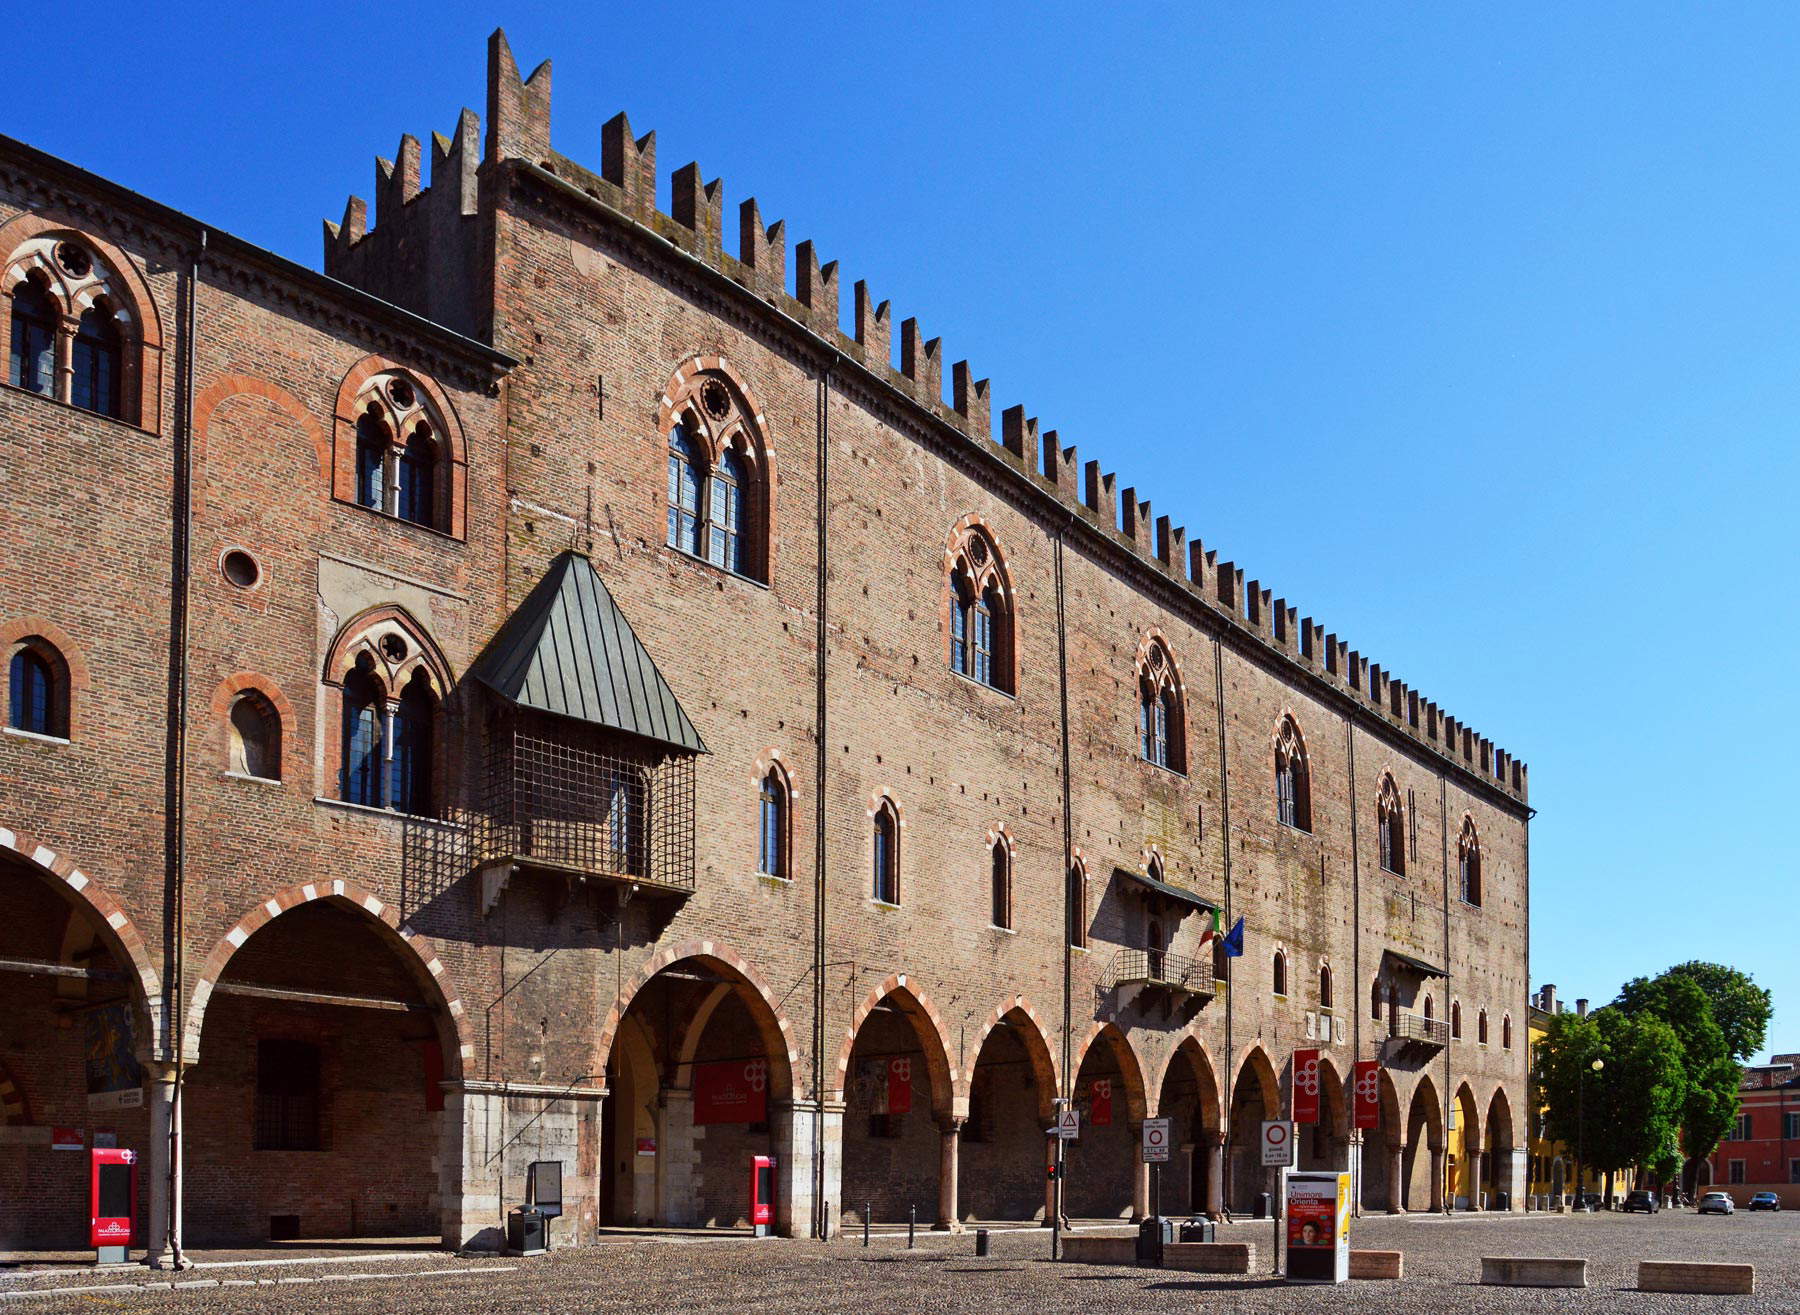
419, 253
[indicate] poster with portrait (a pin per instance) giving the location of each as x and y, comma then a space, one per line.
115, 1080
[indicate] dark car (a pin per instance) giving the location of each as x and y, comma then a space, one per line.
1587, 1200
1640, 1200
1764, 1201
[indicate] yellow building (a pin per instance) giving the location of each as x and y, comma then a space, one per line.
1550, 1166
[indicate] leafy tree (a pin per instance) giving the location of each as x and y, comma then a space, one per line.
1709, 1077
1629, 1112
1740, 1007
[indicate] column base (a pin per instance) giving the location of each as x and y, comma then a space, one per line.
167, 1259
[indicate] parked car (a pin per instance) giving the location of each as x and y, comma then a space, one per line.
1717, 1203
1639, 1199
1765, 1201
1587, 1200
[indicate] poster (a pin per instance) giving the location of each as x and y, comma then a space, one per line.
885, 1084
1367, 1091
731, 1091
1306, 1086
114, 1079
1313, 1217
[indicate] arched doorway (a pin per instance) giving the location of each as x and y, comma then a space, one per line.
81, 1004
1325, 1146
320, 1038
1255, 1096
898, 1107
699, 1081
1383, 1168
1465, 1152
1012, 1093
1497, 1176
1424, 1165
1189, 1099
1102, 1162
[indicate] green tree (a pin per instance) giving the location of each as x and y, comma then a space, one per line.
1629, 1111
1709, 1076
1740, 1007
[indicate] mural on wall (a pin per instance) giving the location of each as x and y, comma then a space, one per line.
115, 1080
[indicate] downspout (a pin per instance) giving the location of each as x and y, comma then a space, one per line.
1225, 851
1356, 1010
1450, 1007
821, 1221
176, 781
1068, 818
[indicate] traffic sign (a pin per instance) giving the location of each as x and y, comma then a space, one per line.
1068, 1124
1277, 1144
1156, 1141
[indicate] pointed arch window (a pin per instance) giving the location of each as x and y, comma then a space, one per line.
1481, 1028
255, 737
96, 355
1293, 781
1468, 864
402, 464
1076, 902
414, 716
1000, 883
886, 854
415, 480
363, 725
1506, 1032
38, 687
981, 634
1456, 1020
1279, 973
1324, 986
1377, 999
772, 826
371, 462
1156, 950
1161, 724
1390, 816
31, 358
719, 489
1430, 1009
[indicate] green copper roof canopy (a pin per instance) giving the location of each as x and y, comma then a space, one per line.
569, 650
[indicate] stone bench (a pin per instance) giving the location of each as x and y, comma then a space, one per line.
1693, 1276
1100, 1250
1210, 1257
1533, 1272
1377, 1264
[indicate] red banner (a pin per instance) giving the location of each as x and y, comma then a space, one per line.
1367, 1094
899, 1086
1306, 1086
1100, 1103
731, 1091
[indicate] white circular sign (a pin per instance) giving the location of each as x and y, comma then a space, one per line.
1275, 1133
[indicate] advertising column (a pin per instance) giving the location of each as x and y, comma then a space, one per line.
1318, 1227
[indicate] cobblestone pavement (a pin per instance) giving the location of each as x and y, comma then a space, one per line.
943, 1275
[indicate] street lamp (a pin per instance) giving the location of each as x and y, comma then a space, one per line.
1581, 1128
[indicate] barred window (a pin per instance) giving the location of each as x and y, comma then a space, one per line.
287, 1097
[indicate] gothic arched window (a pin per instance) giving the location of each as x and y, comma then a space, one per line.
981, 638
719, 492
363, 726
31, 357
96, 357
1293, 782
885, 852
415, 479
726, 521
1279, 973
414, 715
1161, 724
38, 681
772, 825
1076, 901
1324, 986
1468, 863
1000, 882
401, 454
1390, 820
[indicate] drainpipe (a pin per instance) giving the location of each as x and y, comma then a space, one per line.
821, 1222
1469, 1157
175, 921
1225, 1097
1356, 999
1068, 817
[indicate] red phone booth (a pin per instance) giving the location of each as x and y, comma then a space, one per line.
112, 1202
762, 1193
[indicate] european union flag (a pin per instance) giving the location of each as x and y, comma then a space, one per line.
1234, 940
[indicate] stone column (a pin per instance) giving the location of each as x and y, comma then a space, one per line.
795, 1124
1215, 1176
164, 1242
1396, 1177
949, 1146
1437, 1178
1478, 1172
64, 353
1140, 1176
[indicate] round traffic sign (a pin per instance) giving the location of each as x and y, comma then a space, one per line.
1275, 1133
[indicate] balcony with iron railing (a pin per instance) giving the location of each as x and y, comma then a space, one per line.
589, 808
1416, 1029
1159, 970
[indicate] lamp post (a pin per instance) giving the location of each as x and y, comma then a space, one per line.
1581, 1130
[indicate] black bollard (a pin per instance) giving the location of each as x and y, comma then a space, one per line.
981, 1241
868, 1209
912, 1222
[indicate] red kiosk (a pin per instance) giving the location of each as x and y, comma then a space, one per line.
762, 1194
112, 1203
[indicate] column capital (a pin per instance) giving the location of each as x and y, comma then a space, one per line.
951, 1124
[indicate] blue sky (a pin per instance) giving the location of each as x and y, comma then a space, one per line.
1473, 334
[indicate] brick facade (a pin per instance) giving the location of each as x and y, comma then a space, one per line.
469, 1021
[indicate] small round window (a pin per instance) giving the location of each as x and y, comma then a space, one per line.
240, 568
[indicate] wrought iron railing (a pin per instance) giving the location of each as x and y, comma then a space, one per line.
1416, 1027
1160, 968
607, 812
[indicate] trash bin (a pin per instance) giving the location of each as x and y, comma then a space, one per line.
1199, 1230
1265, 1206
1154, 1234
525, 1231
